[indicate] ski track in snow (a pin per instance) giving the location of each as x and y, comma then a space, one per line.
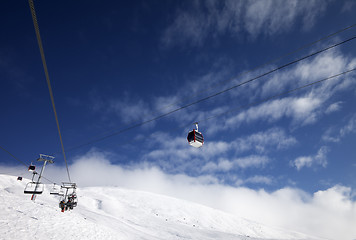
115, 213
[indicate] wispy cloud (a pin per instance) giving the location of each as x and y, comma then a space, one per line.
306, 72
128, 108
216, 156
274, 138
309, 161
264, 17
307, 108
300, 110
266, 180
335, 135
130, 111
350, 127
348, 6
208, 19
225, 165
334, 107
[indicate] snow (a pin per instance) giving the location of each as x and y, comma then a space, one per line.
116, 213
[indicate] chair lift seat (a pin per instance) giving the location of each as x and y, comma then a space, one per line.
56, 190
34, 188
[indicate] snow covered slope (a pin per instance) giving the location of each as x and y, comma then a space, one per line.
114, 213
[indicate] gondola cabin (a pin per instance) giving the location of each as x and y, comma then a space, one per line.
195, 138
31, 168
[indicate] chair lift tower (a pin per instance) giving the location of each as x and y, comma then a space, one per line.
37, 187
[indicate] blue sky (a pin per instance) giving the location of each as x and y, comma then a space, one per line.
113, 65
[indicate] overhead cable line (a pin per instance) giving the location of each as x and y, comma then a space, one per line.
267, 63
20, 161
209, 97
253, 69
246, 106
267, 99
39, 41
277, 95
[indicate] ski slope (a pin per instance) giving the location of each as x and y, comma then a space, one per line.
115, 213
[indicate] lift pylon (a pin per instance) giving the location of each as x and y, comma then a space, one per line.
36, 187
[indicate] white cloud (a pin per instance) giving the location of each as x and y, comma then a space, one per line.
251, 161
127, 109
260, 179
348, 6
225, 165
272, 17
309, 161
267, 180
305, 109
215, 156
326, 213
333, 107
261, 141
304, 72
165, 104
309, 106
305, 161
319, 67
193, 27
350, 127
300, 110
333, 135
204, 19
330, 136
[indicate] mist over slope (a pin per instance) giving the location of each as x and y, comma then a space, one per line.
116, 213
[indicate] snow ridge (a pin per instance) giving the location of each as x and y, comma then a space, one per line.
115, 213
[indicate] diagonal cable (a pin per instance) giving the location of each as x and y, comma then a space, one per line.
266, 63
246, 106
210, 96
277, 95
247, 71
39, 41
20, 161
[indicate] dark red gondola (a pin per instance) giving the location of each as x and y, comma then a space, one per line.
195, 138
31, 168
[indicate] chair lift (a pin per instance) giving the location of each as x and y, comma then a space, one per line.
33, 187
195, 138
69, 200
56, 190
36, 187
